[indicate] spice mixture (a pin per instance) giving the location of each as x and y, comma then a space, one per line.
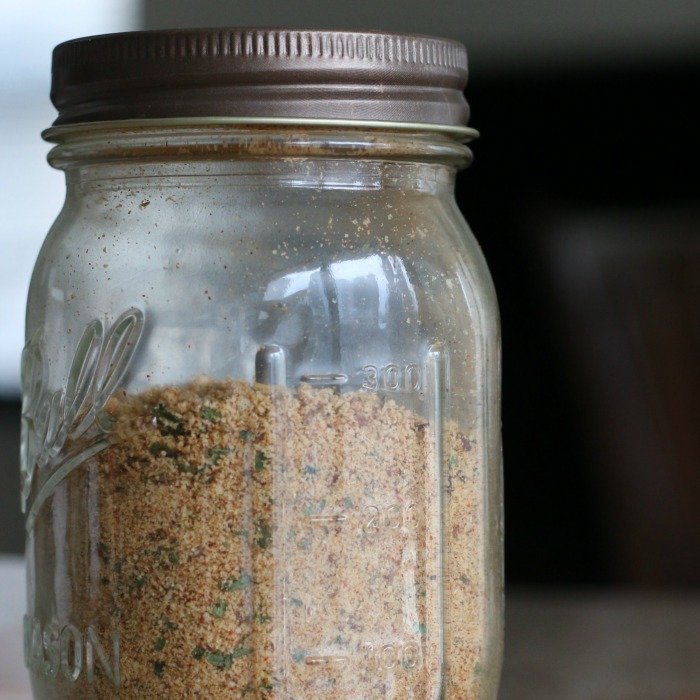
262, 543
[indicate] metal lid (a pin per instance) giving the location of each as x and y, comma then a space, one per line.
261, 74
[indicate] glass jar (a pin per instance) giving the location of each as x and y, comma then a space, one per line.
261, 438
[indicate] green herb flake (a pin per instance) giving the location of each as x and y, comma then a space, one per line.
261, 617
211, 415
198, 653
161, 412
186, 467
103, 551
422, 629
263, 534
173, 557
233, 584
348, 502
244, 435
240, 652
219, 608
308, 469
159, 448
315, 509
296, 602
218, 659
464, 579
168, 624
260, 460
298, 655
159, 668
159, 644
168, 422
453, 461
216, 453
140, 581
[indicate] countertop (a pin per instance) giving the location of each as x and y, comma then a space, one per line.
559, 645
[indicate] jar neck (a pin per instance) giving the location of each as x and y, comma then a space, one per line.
323, 157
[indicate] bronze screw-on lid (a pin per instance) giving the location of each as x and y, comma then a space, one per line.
279, 74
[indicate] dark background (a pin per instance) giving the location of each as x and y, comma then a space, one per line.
584, 197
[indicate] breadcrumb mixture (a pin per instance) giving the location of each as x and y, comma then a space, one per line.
261, 543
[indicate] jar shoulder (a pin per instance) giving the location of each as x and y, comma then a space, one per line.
339, 278
142, 241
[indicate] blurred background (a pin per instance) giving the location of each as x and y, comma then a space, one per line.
584, 197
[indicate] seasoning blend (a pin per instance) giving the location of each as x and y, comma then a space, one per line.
261, 447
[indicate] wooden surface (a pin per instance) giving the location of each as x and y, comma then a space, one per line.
602, 646
14, 684
585, 646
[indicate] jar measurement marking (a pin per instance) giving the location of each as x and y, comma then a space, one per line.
392, 377
330, 379
375, 657
325, 660
323, 519
384, 657
393, 517
374, 518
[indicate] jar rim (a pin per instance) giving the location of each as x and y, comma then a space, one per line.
56, 134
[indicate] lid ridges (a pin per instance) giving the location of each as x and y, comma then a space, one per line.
263, 43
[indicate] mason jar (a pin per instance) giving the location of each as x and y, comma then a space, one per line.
261, 433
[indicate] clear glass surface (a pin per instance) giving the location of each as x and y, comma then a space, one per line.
261, 453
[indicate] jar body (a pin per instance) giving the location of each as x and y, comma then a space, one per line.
261, 434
